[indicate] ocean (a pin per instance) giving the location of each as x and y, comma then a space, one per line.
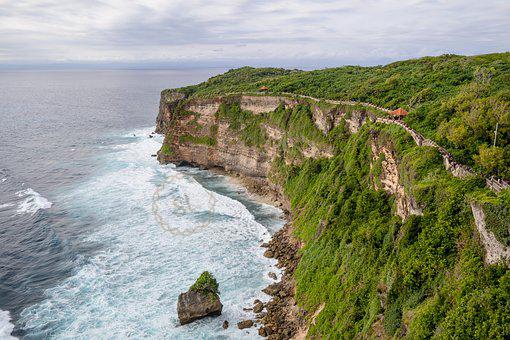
97, 239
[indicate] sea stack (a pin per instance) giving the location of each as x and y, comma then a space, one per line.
201, 300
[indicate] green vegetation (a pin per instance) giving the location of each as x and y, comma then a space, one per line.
422, 277
204, 140
428, 270
241, 79
166, 149
497, 217
206, 283
243, 122
298, 123
455, 100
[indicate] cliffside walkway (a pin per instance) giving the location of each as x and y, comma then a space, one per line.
456, 169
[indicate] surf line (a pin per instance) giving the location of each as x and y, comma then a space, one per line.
180, 208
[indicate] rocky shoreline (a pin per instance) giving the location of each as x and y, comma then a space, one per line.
283, 318
280, 317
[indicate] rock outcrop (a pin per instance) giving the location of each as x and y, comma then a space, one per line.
195, 134
390, 180
196, 305
494, 251
200, 301
245, 324
283, 319
261, 104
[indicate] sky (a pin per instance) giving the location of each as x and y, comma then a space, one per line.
296, 33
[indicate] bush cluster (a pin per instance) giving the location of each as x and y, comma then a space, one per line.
456, 100
206, 283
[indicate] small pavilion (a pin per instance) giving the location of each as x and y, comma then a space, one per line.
263, 88
399, 113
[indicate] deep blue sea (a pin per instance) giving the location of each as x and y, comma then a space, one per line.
96, 238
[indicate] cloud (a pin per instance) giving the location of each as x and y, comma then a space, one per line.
197, 30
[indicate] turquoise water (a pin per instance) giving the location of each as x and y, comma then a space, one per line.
98, 239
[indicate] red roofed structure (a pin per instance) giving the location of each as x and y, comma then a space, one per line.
400, 112
263, 88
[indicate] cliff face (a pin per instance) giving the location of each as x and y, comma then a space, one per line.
225, 151
495, 251
196, 134
390, 179
198, 131
359, 266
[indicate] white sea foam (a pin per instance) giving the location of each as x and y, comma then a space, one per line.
6, 326
31, 202
6, 205
159, 229
4, 179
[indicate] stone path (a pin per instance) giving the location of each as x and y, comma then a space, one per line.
456, 169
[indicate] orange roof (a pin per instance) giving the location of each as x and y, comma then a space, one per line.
263, 88
399, 112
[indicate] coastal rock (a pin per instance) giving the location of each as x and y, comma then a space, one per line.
272, 289
263, 331
194, 305
268, 253
245, 324
258, 307
225, 324
272, 275
200, 300
283, 318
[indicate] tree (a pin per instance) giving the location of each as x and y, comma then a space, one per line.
501, 115
491, 159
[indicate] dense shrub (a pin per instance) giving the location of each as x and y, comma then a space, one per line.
428, 270
423, 277
455, 100
166, 149
206, 283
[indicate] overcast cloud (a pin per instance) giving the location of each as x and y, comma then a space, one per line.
244, 32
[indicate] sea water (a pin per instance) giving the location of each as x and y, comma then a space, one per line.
97, 239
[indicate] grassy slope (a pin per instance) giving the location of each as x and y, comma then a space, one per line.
454, 100
428, 270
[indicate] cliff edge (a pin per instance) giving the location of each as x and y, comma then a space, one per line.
387, 225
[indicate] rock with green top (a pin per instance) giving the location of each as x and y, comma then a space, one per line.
201, 300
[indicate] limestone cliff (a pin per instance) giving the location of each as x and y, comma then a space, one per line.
390, 179
335, 152
196, 134
495, 250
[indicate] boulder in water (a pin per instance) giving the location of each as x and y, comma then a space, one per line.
245, 324
200, 300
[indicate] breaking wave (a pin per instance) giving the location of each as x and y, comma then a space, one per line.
31, 202
158, 229
6, 326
